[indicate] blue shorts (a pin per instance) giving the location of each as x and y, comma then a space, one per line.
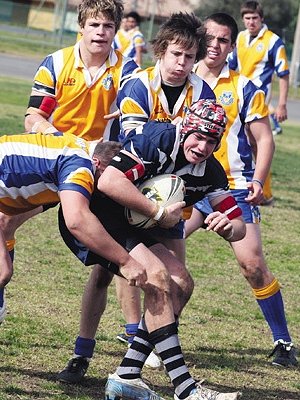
251, 214
112, 217
177, 232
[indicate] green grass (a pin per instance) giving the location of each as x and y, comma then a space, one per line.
224, 337
31, 43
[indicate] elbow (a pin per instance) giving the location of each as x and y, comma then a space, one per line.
74, 225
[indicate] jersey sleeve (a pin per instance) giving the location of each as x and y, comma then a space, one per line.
232, 60
154, 143
133, 104
79, 179
280, 58
44, 79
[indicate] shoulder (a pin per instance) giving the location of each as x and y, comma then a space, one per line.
156, 129
215, 170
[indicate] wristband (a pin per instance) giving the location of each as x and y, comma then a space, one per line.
159, 215
259, 182
164, 214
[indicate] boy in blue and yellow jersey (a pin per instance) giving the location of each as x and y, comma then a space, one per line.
37, 170
165, 91
129, 40
260, 53
245, 105
76, 87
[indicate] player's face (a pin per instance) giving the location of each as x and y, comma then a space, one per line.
219, 44
131, 23
98, 34
198, 147
177, 63
253, 22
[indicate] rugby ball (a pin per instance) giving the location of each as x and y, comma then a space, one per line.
165, 190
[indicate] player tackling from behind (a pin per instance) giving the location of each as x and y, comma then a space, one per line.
156, 148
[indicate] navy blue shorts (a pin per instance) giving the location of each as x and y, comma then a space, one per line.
112, 217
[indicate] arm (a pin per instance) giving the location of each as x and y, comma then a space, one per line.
281, 109
39, 110
115, 184
86, 227
263, 142
226, 221
139, 55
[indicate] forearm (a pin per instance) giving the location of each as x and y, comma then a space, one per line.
264, 156
38, 123
263, 143
90, 232
283, 90
130, 196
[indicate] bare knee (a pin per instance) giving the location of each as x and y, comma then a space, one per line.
256, 272
159, 282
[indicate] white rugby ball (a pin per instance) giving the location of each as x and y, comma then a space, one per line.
165, 190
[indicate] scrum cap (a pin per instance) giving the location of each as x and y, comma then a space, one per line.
206, 117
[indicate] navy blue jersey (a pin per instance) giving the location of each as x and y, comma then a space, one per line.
157, 144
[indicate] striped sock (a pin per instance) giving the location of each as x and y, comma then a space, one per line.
167, 344
133, 362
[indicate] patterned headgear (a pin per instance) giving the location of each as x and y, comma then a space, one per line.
206, 117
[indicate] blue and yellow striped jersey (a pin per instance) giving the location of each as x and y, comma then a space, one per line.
35, 167
260, 58
127, 42
142, 98
82, 101
243, 102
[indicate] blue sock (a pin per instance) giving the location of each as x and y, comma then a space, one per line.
11, 254
131, 330
274, 121
1, 297
84, 347
273, 310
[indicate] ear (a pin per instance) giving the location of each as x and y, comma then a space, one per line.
97, 162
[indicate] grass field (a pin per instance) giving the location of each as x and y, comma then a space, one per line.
224, 337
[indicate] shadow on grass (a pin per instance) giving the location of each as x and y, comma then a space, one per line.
233, 359
94, 388
244, 360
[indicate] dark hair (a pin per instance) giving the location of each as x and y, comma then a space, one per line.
250, 7
226, 20
111, 9
134, 15
105, 151
184, 29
